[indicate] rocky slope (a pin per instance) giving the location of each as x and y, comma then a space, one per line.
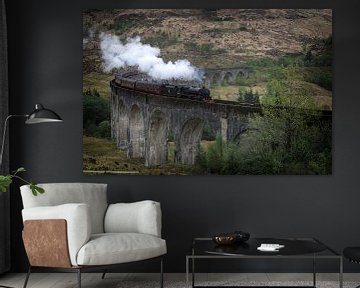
211, 38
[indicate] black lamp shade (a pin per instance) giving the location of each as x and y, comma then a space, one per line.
42, 115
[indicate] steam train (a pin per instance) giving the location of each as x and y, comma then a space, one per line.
187, 92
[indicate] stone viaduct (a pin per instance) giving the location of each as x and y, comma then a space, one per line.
224, 75
142, 123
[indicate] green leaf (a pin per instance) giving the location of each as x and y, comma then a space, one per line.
36, 189
39, 189
5, 182
20, 169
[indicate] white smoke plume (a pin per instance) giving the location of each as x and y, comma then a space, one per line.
116, 54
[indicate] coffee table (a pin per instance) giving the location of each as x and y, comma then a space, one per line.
294, 248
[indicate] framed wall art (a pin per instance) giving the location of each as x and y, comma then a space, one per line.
202, 91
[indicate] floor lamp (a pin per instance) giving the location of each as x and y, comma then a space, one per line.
39, 115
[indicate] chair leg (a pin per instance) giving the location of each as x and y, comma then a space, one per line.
79, 277
103, 275
161, 273
27, 277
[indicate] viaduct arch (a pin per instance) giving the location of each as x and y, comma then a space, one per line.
140, 124
224, 75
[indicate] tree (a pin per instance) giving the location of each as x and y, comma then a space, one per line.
290, 135
96, 110
247, 96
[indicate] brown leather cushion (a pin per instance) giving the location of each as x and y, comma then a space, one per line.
46, 243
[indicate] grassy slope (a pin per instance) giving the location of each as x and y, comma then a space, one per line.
231, 92
98, 81
102, 155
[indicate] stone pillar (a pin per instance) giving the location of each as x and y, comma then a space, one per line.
224, 128
136, 133
188, 142
156, 144
121, 122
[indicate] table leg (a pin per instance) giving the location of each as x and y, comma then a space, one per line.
314, 271
187, 272
341, 273
193, 272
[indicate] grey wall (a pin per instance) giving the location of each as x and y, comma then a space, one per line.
45, 50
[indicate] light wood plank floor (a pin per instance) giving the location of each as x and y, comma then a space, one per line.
113, 280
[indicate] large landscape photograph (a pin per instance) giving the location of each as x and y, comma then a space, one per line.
207, 92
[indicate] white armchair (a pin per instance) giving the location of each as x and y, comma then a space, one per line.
72, 228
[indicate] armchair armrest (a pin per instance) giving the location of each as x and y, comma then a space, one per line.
78, 225
138, 217
52, 250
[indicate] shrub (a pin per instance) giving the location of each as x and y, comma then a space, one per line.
162, 40
261, 62
319, 60
104, 130
247, 96
208, 134
209, 14
284, 61
95, 110
211, 160
204, 49
322, 56
321, 78
295, 60
219, 158
122, 25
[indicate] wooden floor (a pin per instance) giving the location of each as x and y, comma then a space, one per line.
113, 280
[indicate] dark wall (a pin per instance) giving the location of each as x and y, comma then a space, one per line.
45, 50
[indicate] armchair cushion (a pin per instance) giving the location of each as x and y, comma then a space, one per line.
78, 221
113, 248
93, 194
138, 217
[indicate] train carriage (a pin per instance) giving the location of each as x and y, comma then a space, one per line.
149, 87
187, 92
128, 83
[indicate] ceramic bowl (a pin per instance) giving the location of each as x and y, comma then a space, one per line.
225, 239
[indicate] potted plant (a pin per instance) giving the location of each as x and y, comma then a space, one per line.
6, 180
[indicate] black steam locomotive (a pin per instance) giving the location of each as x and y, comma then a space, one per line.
193, 93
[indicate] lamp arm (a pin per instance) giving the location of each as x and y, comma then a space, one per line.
4, 134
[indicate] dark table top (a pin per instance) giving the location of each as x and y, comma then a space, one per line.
292, 247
